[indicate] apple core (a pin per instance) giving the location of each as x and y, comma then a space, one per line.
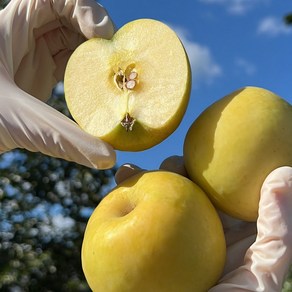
126, 80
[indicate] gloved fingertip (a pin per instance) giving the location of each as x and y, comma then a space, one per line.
107, 161
283, 173
175, 164
94, 20
98, 154
277, 185
126, 171
274, 221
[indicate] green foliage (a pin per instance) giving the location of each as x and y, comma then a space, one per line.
45, 204
3, 3
287, 287
288, 18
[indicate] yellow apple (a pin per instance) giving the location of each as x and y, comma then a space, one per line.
235, 143
131, 91
156, 231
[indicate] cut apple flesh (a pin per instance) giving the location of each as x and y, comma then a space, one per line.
131, 91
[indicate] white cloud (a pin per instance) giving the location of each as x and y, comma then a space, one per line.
273, 26
236, 6
204, 68
246, 66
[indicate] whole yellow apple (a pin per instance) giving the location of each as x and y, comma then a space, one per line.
156, 231
132, 90
235, 143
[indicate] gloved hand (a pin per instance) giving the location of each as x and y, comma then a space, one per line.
261, 262
258, 254
36, 41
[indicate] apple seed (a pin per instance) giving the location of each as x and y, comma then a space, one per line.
126, 81
133, 75
131, 84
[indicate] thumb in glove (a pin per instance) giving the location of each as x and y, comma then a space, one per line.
267, 260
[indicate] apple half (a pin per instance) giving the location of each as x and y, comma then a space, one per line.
131, 91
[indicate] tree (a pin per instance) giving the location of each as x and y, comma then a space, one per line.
45, 204
288, 19
3, 3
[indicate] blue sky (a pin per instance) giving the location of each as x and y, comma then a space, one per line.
230, 43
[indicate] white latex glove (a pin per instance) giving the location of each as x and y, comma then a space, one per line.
263, 264
37, 38
258, 254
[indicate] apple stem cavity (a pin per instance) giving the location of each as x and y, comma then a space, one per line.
128, 122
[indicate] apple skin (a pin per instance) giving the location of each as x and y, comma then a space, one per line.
234, 144
156, 231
